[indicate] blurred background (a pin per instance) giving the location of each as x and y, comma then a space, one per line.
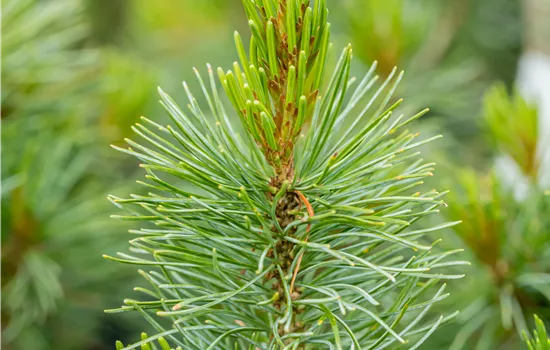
76, 74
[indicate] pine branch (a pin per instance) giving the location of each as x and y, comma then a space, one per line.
53, 223
296, 232
506, 240
539, 340
39, 59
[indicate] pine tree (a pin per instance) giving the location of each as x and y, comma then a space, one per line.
291, 226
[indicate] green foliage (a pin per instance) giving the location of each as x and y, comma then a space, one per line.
53, 208
540, 339
62, 93
31, 195
506, 239
292, 226
123, 92
513, 127
51, 223
423, 37
505, 234
146, 343
40, 61
395, 29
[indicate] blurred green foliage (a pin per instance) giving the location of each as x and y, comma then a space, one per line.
505, 240
40, 60
77, 73
513, 127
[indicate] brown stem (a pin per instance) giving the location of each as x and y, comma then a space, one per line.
311, 214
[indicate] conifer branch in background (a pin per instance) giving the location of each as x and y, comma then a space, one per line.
39, 52
514, 128
539, 340
289, 227
53, 212
506, 234
506, 241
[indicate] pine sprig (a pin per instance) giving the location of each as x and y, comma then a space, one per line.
273, 89
294, 234
539, 340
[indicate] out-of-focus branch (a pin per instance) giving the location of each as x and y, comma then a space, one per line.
436, 45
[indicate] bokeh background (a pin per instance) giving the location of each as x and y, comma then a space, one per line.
76, 74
